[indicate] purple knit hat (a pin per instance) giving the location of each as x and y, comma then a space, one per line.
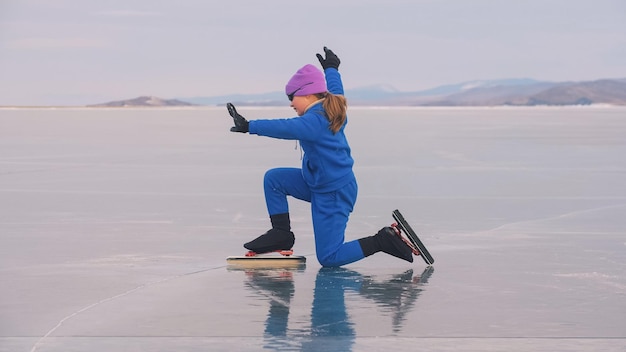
308, 80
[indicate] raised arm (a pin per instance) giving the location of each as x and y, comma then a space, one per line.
330, 64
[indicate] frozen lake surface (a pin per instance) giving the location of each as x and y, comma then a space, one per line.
115, 225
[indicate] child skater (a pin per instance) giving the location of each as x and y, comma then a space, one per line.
326, 179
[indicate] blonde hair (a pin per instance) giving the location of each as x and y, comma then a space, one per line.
336, 107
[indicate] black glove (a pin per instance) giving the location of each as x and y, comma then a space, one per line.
331, 59
241, 124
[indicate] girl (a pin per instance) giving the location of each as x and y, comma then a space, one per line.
325, 180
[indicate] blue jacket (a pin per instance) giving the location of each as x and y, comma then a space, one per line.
327, 163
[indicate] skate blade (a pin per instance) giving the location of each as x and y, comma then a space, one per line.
403, 226
267, 260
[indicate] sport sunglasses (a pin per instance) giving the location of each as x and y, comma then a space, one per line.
291, 96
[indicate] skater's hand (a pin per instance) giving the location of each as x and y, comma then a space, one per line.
241, 124
331, 59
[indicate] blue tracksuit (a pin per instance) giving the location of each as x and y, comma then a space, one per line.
325, 180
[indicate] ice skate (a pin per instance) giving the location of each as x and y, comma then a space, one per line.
270, 250
274, 240
391, 243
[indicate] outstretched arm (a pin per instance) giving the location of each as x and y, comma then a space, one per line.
330, 64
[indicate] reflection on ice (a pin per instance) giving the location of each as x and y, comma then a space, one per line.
331, 323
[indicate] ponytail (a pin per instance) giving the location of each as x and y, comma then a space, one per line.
335, 107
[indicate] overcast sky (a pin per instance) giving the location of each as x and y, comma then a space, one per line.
75, 52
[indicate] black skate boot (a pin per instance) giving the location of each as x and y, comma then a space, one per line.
386, 240
278, 238
272, 240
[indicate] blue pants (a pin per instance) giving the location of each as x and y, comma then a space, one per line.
329, 211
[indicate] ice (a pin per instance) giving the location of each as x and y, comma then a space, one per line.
115, 225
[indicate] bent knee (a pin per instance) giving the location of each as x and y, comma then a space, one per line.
269, 174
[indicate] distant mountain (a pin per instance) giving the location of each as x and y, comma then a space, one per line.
145, 101
479, 84
604, 91
607, 91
